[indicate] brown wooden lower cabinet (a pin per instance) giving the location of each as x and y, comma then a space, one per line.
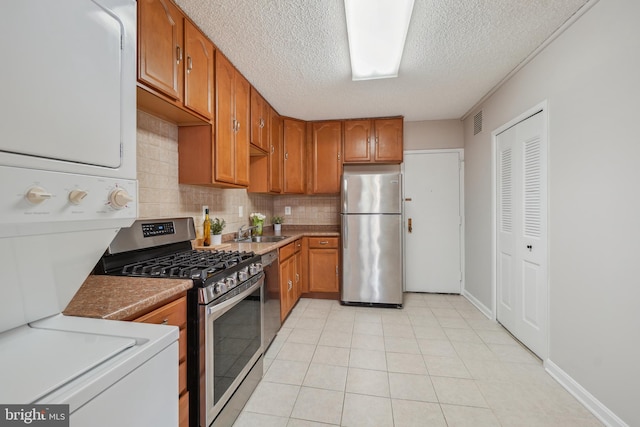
323, 264
290, 276
175, 313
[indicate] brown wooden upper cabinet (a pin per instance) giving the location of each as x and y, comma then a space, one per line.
198, 73
266, 170
232, 124
160, 46
275, 156
373, 141
294, 156
325, 162
175, 60
260, 124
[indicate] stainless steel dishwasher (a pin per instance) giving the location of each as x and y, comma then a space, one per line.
271, 294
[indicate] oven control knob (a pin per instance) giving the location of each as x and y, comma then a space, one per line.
231, 282
76, 196
220, 288
119, 198
37, 195
255, 268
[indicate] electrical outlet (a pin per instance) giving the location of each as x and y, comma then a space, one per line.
240, 211
287, 210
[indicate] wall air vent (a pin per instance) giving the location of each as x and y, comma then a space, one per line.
477, 123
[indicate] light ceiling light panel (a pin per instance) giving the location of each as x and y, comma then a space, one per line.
377, 30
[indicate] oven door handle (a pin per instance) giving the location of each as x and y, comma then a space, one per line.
230, 302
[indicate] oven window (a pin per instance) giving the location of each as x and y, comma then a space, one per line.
236, 338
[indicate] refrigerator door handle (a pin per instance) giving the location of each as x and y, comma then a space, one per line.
345, 197
345, 233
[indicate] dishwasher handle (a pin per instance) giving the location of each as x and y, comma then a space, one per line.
269, 258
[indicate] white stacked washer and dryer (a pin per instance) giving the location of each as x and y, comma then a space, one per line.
68, 184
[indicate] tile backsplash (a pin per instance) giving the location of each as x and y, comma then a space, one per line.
161, 196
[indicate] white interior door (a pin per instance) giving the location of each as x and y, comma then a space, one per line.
432, 207
521, 270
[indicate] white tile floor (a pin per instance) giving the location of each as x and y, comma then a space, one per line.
436, 362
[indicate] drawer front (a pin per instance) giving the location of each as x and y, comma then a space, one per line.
323, 242
183, 410
174, 313
182, 344
182, 377
287, 250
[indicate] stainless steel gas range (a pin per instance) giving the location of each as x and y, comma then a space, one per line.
225, 310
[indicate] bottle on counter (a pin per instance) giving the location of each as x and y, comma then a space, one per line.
206, 229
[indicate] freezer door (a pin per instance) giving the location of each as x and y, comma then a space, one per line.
372, 193
372, 259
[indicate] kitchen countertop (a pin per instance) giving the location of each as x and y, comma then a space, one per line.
263, 248
123, 298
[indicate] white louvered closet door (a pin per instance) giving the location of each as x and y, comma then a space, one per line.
521, 270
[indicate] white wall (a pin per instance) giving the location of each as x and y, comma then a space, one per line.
433, 134
590, 76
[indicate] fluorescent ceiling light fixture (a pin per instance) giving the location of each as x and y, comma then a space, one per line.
377, 31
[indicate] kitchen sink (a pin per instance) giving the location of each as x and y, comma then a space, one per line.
262, 239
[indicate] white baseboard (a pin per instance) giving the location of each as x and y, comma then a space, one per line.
596, 407
473, 300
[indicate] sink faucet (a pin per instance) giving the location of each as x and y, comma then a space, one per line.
242, 230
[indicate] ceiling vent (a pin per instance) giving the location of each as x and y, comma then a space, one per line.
477, 123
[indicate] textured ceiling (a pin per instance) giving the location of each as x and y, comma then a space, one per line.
295, 52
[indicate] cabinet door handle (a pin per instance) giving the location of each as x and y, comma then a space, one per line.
165, 322
324, 242
178, 54
410, 226
189, 64
273, 149
286, 156
290, 283
337, 273
338, 156
237, 126
297, 277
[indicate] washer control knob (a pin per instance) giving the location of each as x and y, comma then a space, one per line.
119, 198
37, 195
76, 196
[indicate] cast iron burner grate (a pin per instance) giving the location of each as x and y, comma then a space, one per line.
192, 264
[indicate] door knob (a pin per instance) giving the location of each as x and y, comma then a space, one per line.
410, 226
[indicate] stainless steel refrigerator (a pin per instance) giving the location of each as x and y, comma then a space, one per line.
372, 246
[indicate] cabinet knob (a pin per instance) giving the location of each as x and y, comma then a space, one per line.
178, 54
